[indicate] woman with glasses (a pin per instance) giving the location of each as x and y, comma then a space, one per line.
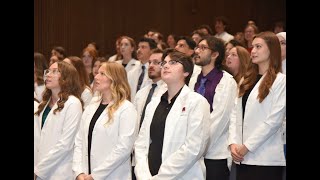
56, 122
255, 133
108, 128
174, 132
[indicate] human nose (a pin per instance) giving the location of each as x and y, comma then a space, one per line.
197, 50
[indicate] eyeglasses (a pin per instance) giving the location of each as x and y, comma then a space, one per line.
283, 43
202, 48
171, 62
53, 71
154, 62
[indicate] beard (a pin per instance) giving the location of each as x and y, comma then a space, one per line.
202, 61
154, 76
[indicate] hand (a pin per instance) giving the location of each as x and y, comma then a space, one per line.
242, 150
234, 153
88, 177
81, 176
35, 176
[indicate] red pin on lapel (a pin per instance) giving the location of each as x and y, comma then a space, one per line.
183, 109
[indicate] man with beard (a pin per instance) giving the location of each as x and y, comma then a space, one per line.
154, 73
219, 88
157, 88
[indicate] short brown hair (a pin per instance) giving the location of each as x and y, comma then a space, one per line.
185, 60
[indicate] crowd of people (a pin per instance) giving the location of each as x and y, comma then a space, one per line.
203, 106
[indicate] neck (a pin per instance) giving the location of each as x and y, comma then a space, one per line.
126, 59
106, 98
173, 89
143, 61
89, 69
54, 98
206, 69
156, 80
249, 43
263, 67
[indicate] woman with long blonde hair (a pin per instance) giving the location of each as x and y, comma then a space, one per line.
107, 132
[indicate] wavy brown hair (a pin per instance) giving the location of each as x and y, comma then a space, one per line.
244, 58
250, 77
41, 64
83, 75
120, 89
69, 84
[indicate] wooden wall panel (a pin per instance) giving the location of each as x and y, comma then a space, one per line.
74, 23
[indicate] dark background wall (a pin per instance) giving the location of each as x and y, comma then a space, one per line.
74, 23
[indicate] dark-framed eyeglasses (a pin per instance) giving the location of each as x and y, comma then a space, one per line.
171, 62
202, 48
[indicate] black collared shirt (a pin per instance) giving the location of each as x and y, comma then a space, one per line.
157, 128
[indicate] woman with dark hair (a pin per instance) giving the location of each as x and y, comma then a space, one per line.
40, 64
56, 122
87, 93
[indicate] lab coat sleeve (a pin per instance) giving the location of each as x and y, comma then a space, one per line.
222, 106
274, 119
78, 154
233, 136
86, 97
179, 162
141, 169
121, 152
65, 144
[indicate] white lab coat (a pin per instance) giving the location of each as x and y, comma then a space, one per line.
142, 94
223, 101
132, 64
38, 91
111, 145
133, 77
54, 147
36, 134
140, 100
86, 96
185, 138
196, 71
262, 125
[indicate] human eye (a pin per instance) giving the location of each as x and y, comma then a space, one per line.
172, 62
162, 63
233, 55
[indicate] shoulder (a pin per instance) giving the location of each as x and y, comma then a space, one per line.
196, 97
87, 90
281, 76
226, 74
73, 100
280, 79
228, 78
127, 105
